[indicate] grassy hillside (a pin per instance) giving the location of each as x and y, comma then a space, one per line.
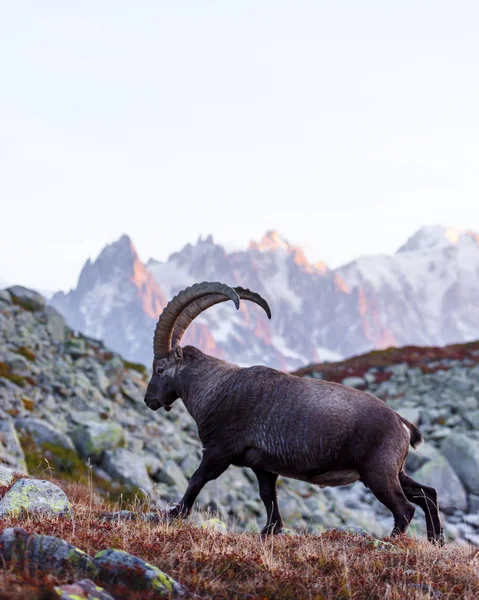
218, 565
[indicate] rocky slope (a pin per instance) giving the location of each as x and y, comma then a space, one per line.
67, 402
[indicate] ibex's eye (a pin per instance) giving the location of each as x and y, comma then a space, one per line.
160, 370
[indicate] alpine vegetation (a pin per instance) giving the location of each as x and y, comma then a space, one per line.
280, 424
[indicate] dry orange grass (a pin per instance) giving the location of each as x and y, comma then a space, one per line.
220, 566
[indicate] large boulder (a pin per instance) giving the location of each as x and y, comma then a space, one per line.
93, 438
117, 566
37, 497
462, 452
439, 474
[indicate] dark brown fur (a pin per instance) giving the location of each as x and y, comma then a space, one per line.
280, 424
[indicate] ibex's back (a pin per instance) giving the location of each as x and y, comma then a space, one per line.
279, 424
301, 428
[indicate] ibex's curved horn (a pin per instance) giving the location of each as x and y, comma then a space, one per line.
201, 304
171, 312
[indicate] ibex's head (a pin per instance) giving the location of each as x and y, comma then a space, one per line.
164, 386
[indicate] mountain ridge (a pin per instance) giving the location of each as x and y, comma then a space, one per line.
426, 293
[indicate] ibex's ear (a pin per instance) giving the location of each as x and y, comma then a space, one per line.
178, 354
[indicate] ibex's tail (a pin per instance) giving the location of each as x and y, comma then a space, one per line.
416, 436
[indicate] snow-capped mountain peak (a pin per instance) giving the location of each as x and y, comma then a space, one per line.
271, 242
434, 237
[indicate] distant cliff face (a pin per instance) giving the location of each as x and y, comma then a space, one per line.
427, 293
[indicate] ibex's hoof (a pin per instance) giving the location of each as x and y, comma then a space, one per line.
176, 512
272, 529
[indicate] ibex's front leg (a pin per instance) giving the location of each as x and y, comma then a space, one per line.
211, 467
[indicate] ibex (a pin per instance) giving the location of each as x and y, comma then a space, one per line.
279, 424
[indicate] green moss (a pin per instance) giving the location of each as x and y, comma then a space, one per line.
27, 353
7, 373
67, 465
64, 461
135, 367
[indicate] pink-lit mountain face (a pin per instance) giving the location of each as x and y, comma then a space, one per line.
427, 293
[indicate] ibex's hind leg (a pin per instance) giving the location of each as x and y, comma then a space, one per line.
387, 489
426, 498
267, 492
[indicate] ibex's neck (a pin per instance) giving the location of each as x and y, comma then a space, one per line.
201, 380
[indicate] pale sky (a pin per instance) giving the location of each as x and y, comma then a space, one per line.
346, 125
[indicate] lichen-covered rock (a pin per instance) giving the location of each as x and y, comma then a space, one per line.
82, 590
36, 497
214, 524
386, 547
129, 468
117, 566
93, 438
462, 453
43, 554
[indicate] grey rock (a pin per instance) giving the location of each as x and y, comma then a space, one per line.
5, 297
11, 451
93, 438
472, 503
114, 370
29, 299
410, 413
43, 432
18, 364
171, 474
99, 379
439, 474
129, 468
6, 476
132, 392
463, 455
355, 382
472, 417
416, 458
472, 520
37, 497
55, 325
117, 566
